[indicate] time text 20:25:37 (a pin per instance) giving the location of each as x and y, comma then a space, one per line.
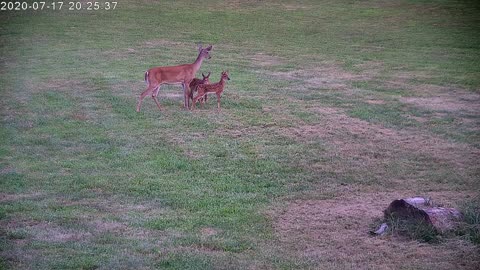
57, 5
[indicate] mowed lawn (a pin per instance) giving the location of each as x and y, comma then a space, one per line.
333, 110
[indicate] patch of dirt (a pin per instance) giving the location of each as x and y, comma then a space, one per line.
295, 6
51, 234
448, 102
80, 116
418, 119
265, 60
7, 170
365, 144
6, 197
238, 132
334, 232
375, 101
115, 206
326, 76
101, 226
47, 232
92, 223
208, 232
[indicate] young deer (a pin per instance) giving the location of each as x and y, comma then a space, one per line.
196, 82
216, 88
182, 74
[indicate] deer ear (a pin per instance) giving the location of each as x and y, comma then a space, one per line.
203, 75
199, 46
208, 74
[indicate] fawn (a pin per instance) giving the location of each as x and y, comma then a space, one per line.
196, 82
216, 88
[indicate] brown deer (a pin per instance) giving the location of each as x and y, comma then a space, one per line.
182, 74
216, 88
196, 82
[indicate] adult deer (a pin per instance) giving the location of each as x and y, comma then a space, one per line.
182, 74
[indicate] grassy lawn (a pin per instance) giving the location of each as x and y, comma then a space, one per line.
335, 108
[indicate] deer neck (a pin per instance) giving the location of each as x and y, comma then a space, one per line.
221, 82
197, 63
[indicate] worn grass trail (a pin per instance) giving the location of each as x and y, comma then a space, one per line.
332, 105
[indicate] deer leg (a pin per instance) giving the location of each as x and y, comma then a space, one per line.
190, 97
218, 102
143, 95
202, 100
154, 96
187, 97
195, 100
186, 101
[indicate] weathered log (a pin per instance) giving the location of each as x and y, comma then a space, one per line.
421, 209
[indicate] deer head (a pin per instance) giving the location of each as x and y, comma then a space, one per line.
206, 78
225, 75
205, 52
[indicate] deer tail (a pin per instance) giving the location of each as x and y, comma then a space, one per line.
146, 76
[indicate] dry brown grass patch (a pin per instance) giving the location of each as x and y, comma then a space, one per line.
208, 232
373, 143
323, 76
6, 197
48, 232
265, 60
448, 102
334, 232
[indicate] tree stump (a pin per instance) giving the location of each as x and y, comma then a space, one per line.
421, 209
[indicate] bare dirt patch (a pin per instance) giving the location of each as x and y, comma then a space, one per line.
7, 170
107, 226
375, 101
292, 7
52, 233
265, 60
448, 102
5, 197
324, 76
365, 144
115, 206
334, 232
80, 116
45, 231
104, 216
208, 232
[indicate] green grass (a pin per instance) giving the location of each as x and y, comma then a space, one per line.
471, 228
86, 182
413, 229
